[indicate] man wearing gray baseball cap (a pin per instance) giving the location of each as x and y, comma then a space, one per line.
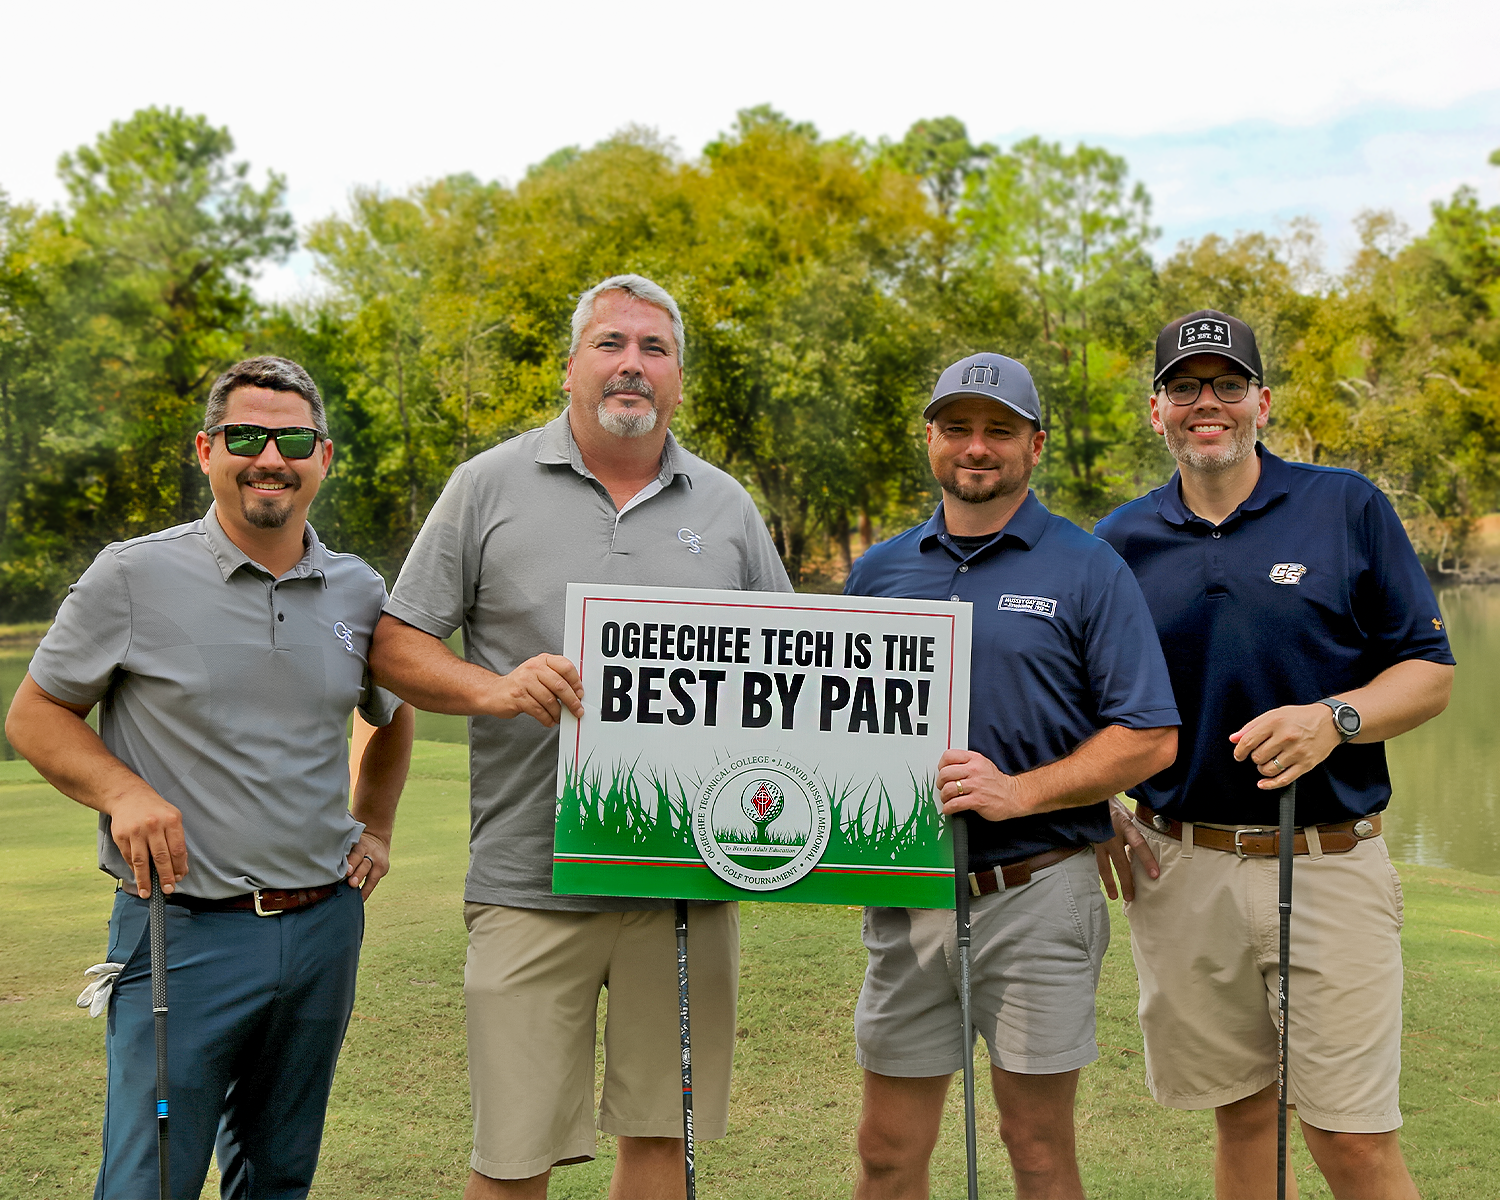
1069, 704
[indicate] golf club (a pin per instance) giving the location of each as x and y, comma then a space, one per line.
961, 905
1284, 905
687, 1051
157, 912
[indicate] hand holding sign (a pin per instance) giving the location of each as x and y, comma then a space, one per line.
969, 782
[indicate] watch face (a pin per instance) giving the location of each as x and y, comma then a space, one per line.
1348, 720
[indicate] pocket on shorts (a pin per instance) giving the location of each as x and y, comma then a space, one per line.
1397, 895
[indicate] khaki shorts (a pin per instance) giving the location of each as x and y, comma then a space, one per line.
1034, 967
1205, 938
532, 984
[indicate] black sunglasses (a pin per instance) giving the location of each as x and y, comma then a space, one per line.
246, 441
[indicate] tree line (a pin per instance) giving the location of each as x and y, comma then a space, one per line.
824, 282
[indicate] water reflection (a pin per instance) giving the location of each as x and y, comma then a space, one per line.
1446, 807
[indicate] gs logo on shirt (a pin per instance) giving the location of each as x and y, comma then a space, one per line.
1288, 573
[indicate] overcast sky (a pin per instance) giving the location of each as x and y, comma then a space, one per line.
1235, 116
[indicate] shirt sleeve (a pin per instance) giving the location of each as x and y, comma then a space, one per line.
440, 577
1126, 668
1393, 599
90, 637
764, 570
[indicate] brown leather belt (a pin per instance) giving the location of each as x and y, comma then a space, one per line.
268, 902
983, 883
1264, 841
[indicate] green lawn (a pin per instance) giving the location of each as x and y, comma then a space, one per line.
398, 1123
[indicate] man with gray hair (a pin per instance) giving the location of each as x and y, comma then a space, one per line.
601, 494
225, 656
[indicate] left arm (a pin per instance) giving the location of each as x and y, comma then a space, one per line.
1110, 761
378, 759
1300, 736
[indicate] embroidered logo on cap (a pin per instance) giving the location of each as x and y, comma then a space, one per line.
1042, 606
1288, 573
980, 373
1203, 332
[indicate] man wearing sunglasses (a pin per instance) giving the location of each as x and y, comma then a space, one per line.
226, 656
1300, 632
601, 494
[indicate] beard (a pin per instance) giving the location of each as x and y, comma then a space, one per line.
628, 423
263, 512
1002, 483
1182, 446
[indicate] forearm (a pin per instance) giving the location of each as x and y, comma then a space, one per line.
423, 671
1399, 699
54, 737
1114, 759
381, 774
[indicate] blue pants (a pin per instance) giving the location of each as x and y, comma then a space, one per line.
258, 1007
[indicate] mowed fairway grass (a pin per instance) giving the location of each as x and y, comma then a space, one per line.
399, 1121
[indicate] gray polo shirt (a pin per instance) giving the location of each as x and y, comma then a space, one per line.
229, 692
514, 526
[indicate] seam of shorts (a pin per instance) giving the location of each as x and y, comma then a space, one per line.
1078, 929
1052, 1064
1214, 1098
527, 1168
1376, 1122
924, 1068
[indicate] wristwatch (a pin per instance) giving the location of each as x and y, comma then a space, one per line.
1345, 718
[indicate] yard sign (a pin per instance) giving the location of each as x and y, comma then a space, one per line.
759, 745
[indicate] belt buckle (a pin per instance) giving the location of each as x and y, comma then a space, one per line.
265, 912
1239, 846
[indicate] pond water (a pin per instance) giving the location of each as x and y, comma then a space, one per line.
1446, 808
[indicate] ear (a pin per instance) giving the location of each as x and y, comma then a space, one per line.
204, 445
929, 433
568, 379
1263, 417
1156, 417
327, 458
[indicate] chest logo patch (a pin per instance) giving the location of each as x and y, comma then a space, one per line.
345, 635
1041, 606
691, 540
1288, 573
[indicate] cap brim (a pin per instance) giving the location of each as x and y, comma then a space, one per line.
1195, 352
936, 406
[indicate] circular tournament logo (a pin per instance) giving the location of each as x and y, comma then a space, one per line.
761, 822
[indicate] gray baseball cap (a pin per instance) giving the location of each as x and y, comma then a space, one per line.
989, 377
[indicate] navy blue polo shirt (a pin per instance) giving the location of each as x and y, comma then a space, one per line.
1309, 589
1063, 646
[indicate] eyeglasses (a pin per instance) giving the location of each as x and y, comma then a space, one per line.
246, 441
1183, 390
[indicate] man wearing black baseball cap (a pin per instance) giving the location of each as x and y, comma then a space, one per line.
1301, 632
1069, 703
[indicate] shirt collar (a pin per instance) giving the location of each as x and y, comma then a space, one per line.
1274, 483
557, 448
1024, 528
231, 558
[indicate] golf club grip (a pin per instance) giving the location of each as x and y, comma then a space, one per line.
961, 876
1284, 847
687, 1051
157, 913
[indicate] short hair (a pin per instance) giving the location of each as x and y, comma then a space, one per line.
636, 285
266, 371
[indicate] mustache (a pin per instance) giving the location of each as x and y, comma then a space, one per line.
255, 475
628, 383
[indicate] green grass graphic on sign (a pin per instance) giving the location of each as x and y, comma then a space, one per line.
628, 831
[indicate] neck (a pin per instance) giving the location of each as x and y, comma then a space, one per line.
623, 465
1213, 496
974, 520
277, 550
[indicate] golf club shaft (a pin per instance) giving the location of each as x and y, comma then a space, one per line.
687, 1051
157, 912
961, 906
1284, 846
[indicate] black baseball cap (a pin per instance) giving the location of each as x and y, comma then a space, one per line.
1207, 331
989, 377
